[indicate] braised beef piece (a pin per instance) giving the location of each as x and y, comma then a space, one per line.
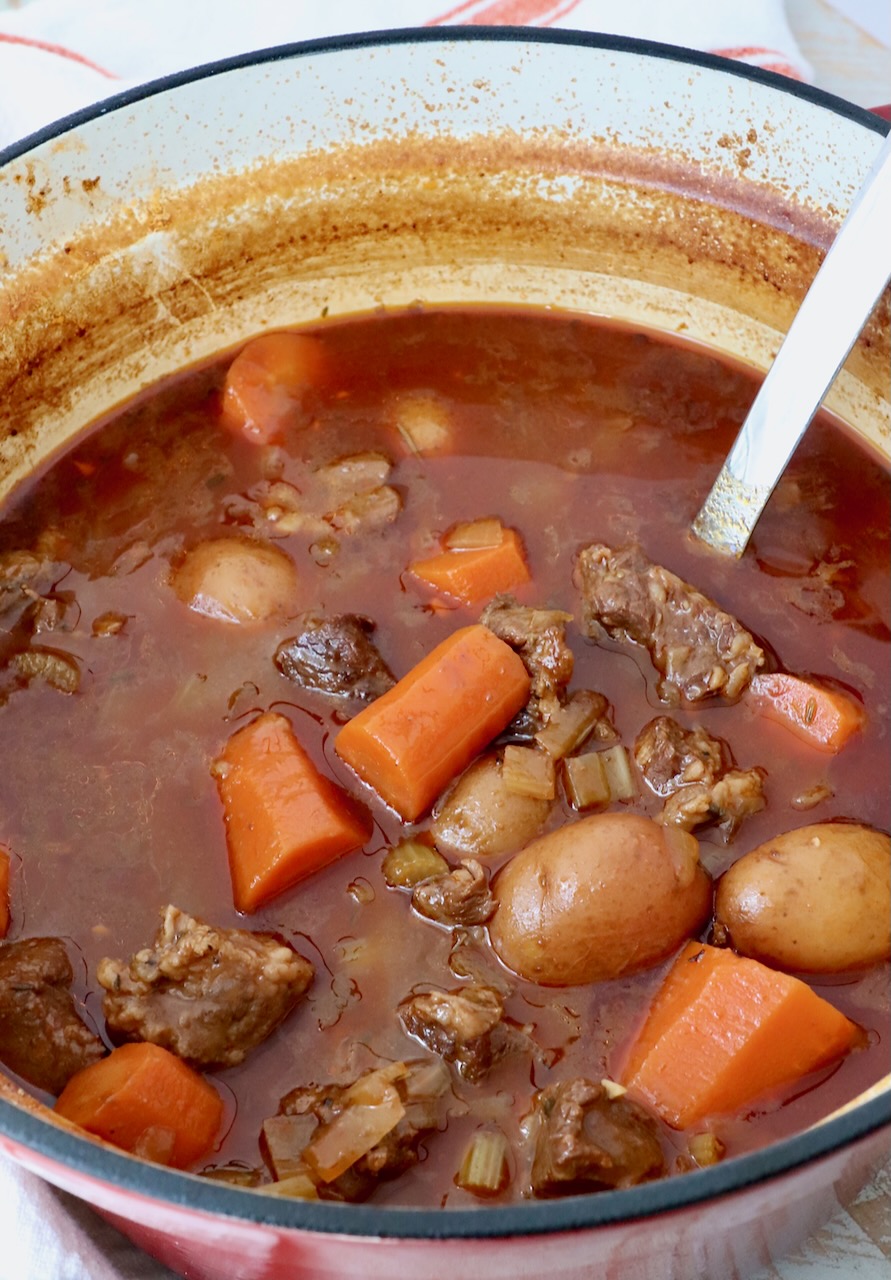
422, 1089
210, 995
335, 656
461, 1026
670, 756
696, 773
699, 650
729, 800
462, 897
587, 1141
43, 1037
539, 637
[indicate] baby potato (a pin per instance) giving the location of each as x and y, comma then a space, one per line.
480, 817
817, 899
237, 580
608, 895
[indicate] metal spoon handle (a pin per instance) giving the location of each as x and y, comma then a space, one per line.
828, 323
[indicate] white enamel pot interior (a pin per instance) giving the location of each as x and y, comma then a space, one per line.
608, 176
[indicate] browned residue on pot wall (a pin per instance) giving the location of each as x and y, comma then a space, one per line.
140, 281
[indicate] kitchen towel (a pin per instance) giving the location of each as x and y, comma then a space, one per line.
57, 56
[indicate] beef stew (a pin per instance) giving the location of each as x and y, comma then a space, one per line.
251, 561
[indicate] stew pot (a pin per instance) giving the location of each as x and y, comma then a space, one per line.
637, 181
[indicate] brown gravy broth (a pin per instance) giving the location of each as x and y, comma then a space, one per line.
571, 431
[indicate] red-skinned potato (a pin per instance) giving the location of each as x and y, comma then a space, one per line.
479, 817
237, 580
816, 899
608, 895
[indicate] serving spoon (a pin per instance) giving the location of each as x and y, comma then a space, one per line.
834, 311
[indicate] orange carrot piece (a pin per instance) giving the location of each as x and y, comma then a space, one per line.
146, 1100
824, 717
420, 734
4, 892
266, 382
284, 820
724, 1031
478, 574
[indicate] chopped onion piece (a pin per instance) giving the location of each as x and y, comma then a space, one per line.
585, 780
617, 767
471, 535
284, 1140
570, 725
613, 1089
705, 1149
373, 1087
367, 511
485, 1170
354, 474
299, 1186
812, 796
526, 771
427, 1080
410, 862
423, 422
353, 1133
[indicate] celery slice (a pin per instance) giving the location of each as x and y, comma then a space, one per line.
484, 1169
585, 781
410, 862
569, 726
526, 771
617, 767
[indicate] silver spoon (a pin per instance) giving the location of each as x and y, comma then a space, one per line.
836, 307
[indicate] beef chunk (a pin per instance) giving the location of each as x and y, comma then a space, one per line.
670, 756
210, 995
421, 1089
539, 637
43, 1037
462, 897
729, 800
335, 656
699, 650
461, 1026
695, 772
586, 1140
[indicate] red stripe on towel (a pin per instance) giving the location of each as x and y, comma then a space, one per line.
767, 59
60, 51
514, 13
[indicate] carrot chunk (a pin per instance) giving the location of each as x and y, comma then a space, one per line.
724, 1031
824, 717
4, 892
284, 820
420, 734
472, 574
266, 382
146, 1100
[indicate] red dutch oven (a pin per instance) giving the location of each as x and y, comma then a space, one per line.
624, 179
